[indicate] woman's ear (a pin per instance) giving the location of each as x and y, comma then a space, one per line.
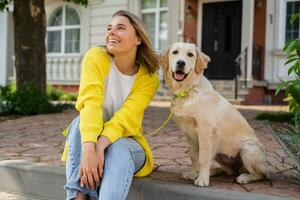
202, 61
139, 40
164, 60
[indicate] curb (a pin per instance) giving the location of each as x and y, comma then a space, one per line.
46, 182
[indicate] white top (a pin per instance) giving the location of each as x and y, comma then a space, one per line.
116, 90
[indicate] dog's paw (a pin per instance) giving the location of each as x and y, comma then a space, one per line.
202, 181
247, 178
243, 178
190, 175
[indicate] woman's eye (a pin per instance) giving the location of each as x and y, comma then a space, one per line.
121, 28
190, 54
175, 52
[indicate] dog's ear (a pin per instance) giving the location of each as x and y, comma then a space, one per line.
164, 59
202, 61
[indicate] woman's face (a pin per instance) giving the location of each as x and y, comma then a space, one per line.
121, 36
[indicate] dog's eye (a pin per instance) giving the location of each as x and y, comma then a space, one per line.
175, 52
190, 54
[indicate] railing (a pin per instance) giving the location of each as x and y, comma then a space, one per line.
61, 70
242, 57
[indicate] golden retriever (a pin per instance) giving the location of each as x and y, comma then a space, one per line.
219, 137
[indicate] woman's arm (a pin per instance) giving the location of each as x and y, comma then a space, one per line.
91, 92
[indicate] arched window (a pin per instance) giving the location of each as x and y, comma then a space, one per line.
63, 31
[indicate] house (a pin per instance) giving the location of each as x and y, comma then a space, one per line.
244, 39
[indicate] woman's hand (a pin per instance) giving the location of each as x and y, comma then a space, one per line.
103, 143
100, 154
90, 169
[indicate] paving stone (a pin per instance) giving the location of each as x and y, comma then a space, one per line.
11, 196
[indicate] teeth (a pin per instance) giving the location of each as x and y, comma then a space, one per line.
113, 41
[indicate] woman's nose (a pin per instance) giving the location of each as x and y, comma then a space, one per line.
111, 32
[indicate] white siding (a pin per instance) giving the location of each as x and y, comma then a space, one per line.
100, 15
275, 70
3, 48
6, 47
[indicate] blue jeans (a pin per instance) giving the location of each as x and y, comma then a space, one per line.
122, 159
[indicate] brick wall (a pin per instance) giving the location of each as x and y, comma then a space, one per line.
190, 21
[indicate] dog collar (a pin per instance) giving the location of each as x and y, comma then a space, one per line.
184, 93
181, 94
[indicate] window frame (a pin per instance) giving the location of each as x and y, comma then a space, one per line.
63, 29
285, 15
157, 10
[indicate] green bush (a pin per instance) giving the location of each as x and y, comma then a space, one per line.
26, 101
55, 94
280, 116
68, 97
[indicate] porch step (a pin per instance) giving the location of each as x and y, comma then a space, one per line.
227, 89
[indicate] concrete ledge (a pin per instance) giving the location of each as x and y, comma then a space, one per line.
36, 179
46, 181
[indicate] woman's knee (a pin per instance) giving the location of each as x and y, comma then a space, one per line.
73, 135
74, 142
118, 147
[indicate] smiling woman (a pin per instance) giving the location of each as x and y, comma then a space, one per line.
105, 147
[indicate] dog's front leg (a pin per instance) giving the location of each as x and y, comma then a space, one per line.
205, 156
194, 148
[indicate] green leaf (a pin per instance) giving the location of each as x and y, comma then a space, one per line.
3, 4
291, 47
291, 69
287, 44
292, 55
280, 87
297, 71
298, 51
290, 60
294, 17
284, 84
297, 67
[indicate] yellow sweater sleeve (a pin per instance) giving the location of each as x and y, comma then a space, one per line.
90, 97
128, 119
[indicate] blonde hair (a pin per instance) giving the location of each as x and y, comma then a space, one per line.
145, 53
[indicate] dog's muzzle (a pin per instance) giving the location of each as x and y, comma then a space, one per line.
179, 74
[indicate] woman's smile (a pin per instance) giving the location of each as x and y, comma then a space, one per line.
113, 41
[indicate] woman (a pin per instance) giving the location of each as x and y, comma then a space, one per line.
105, 147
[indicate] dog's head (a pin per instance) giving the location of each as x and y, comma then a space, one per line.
183, 62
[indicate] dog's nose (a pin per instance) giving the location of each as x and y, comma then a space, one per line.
180, 64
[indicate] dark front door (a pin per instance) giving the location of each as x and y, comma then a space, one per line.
221, 37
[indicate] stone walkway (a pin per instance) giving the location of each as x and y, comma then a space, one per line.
39, 139
12, 196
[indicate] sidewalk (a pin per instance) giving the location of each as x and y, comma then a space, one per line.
39, 139
12, 196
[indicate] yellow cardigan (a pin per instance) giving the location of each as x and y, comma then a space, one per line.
127, 121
